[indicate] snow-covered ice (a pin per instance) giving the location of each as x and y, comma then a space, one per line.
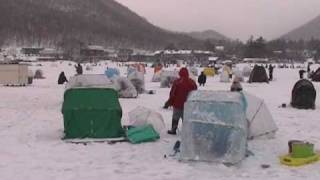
31, 128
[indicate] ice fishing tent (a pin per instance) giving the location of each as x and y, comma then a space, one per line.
125, 88
209, 71
137, 79
224, 77
140, 68
214, 127
316, 76
142, 116
193, 71
130, 70
158, 68
258, 74
156, 76
227, 69
38, 74
90, 80
238, 74
91, 113
260, 120
167, 78
246, 71
303, 95
112, 72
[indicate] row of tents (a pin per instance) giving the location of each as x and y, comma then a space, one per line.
257, 74
217, 124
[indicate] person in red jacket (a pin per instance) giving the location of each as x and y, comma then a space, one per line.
178, 96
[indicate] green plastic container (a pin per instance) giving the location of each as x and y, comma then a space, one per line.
142, 134
302, 150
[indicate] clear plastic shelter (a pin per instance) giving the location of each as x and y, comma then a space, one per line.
215, 128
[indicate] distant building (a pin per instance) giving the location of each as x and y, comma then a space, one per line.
49, 54
124, 54
256, 60
30, 51
93, 53
142, 57
190, 56
219, 48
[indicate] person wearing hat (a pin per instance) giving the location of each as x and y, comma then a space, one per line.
178, 96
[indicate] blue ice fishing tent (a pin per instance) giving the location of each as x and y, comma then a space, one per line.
215, 128
112, 72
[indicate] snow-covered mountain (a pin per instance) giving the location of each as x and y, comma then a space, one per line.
306, 31
102, 22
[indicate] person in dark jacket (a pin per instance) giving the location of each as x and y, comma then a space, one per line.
301, 73
178, 96
79, 69
202, 79
62, 78
270, 72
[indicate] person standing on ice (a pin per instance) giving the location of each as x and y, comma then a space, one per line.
202, 79
62, 78
301, 73
270, 72
178, 96
79, 69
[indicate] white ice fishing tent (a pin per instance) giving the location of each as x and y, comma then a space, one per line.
125, 88
90, 80
259, 118
246, 71
167, 78
137, 79
141, 116
224, 77
238, 74
193, 71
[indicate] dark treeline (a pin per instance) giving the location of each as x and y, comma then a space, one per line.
278, 49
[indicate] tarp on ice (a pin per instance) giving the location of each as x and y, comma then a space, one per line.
260, 120
112, 72
90, 80
215, 127
125, 88
137, 79
142, 116
167, 78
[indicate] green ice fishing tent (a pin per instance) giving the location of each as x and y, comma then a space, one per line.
92, 113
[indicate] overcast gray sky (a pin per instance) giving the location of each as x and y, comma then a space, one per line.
234, 18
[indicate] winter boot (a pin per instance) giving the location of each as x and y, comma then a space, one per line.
174, 127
